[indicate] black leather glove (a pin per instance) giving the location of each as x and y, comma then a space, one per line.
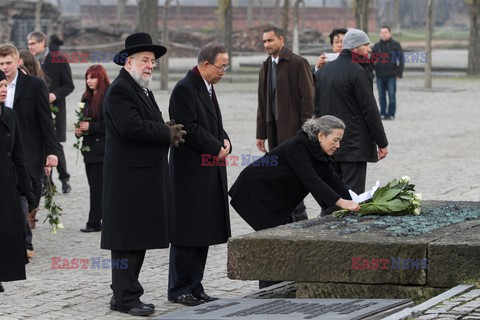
31, 200
176, 134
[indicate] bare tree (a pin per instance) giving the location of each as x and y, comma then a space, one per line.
361, 11
226, 22
147, 18
249, 13
121, 10
38, 15
396, 16
428, 65
177, 19
295, 40
285, 17
474, 43
59, 6
165, 42
277, 12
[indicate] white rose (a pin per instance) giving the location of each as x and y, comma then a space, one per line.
417, 197
416, 211
405, 179
60, 226
81, 105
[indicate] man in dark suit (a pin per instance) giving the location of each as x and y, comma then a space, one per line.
61, 85
135, 171
27, 95
199, 215
285, 97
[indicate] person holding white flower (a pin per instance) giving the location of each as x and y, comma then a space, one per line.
93, 146
266, 192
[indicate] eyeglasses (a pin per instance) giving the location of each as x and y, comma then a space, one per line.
32, 43
222, 68
147, 61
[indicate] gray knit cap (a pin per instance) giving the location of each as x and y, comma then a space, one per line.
354, 38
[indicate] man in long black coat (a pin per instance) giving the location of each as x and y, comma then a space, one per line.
135, 172
27, 95
199, 215
59, 75
344, 90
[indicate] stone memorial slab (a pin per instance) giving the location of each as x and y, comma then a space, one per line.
396, 250
289, 309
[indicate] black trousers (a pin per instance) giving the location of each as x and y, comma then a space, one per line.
185, 273
354, 174
63, 175
37, 190
125, 285
95, 181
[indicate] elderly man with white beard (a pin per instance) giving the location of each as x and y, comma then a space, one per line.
135, 171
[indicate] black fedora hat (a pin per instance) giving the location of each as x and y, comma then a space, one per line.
138, 42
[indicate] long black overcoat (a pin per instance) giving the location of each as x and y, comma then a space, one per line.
14, 181
268, 190
199, 215
35, 121
61, 84
343, 88
135, 169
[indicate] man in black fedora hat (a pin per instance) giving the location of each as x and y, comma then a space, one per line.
135, 171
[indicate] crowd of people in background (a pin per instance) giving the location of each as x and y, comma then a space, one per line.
147, 187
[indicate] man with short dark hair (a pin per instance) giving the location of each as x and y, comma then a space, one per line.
61, 85
285, 97
388, 68
199, 215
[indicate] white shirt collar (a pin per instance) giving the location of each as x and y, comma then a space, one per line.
275, 59
11, 91
208, 85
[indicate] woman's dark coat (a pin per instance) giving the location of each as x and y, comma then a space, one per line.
135, 169
14, 182
268, 190
343, 88
95, 138
200, 212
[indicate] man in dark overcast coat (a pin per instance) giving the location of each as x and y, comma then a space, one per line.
135, 171
199, 216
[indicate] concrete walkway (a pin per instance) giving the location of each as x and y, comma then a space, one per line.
434, 139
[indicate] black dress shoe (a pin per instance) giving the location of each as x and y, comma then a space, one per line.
2, 289
187, 300
89, 229
114, 307
140, 310
66, 188
205, 297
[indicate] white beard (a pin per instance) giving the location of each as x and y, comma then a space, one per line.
137, 76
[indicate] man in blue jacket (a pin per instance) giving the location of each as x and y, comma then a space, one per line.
388, 67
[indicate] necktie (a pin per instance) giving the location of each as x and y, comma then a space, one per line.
273, 88
210, 92
146, 91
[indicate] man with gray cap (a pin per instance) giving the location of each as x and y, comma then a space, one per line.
344, 89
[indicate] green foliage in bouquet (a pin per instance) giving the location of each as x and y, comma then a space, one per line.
54, 215
398, 197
